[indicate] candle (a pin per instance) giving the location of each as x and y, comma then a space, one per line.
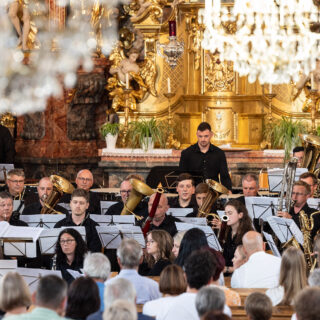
270, 88
127, 80
172, 29
312, 81
169, 86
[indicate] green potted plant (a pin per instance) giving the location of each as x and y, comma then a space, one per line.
284, 133
110, 132
145, 133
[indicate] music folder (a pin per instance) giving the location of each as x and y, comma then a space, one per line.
46, 221
271, 244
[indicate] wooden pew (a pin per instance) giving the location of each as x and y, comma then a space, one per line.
244, 292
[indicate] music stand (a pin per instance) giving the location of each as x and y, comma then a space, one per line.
179, 212
210, 235
261, 207
285, 229
105, 205
314, 203
271, 244
4, 168
275, 177
49, 238
111, 236
46, 221
107, 220
194, 220
7, 266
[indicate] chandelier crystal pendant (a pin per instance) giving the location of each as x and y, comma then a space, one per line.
268, 40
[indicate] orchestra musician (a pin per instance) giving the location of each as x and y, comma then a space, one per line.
310, 179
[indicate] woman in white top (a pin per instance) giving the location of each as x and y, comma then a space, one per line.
172, 283
292, 278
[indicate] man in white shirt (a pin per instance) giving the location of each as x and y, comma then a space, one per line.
261, 270
199, 269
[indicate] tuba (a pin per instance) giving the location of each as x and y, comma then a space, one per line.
60, 186
139, 190
311, 144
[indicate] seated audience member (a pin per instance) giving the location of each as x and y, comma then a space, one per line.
310, 179
238, 224
79, 204
314, 278
162, 221
129, 257
261, 270
250, 186
176, 242
44, 188
83, 299
193, 240
121, 310
185, 190
292, 277
70, 251
316, 249
258, 306
199, 268
84, 180
125, 191
158, 255
306, 304
210, 298
239, 257
49, 299
15, 297
214, 315
172, 283
298, 152
6, 210
97, 266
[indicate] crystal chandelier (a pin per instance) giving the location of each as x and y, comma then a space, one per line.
172, 50
268, 40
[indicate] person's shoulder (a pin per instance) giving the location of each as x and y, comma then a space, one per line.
61, 223
191, 148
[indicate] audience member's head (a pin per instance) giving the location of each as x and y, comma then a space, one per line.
199, 268
15, 181
172, 281
258, 306
250, 185
177, 241
162, 207
220, 264
194, 239
239, 257
314, 278
84, 179
214, 315
121, 310
310, 179
292, 274
51, 293
252, 243
210, 298
129, 254
14, 293
201, 192
306, 304
97, 266
6, 206
83, 298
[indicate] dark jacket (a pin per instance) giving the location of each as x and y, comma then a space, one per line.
7, 151
35, 208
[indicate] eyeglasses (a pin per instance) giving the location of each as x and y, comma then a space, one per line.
298, 194
16, 181
68, 241
85, 179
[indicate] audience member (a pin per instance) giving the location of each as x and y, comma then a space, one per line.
258, 306
316, 249
44, 188
70, 251
261, 270
314, 278
306, 304
176, 242
193, 240
158, 254
310, 179
298, 152
239, 257
83, 299
15, 297
214, 315
129, 257
121, 310
292, 277
161, 220
172, 283
79, 204
97, 266
49, 299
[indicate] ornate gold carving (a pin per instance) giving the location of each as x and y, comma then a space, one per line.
7, 120
219, 75
195, 38
147, 11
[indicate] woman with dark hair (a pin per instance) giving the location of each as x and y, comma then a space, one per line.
238, 224
193, 240
158, 253
172, 283
70, 251
83, 298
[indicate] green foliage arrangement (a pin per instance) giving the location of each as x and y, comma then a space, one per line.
112, 128
284, 133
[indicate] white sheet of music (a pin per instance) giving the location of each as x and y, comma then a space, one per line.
23, 233
275, 177
46, 221
261, 207
272, 245
21, 248
314, 203
106, 220
197, 221
7, 266
75, 274
179, 212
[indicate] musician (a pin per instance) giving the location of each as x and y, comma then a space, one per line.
250, 187
7, 151
44, 188
125, 191
185, 188
84, 180
79, 204
300, 193
310, 179
206, 158
298, 152
161, 220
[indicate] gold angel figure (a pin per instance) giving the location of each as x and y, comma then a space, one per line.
141, 78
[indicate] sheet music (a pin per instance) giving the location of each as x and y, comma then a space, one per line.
27, 249
46, 221
314, 203
272, 245
19, 233
261, 207
7, 266
106, 220
197, 221
105, 205
179, 212
75, 274
275, 177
